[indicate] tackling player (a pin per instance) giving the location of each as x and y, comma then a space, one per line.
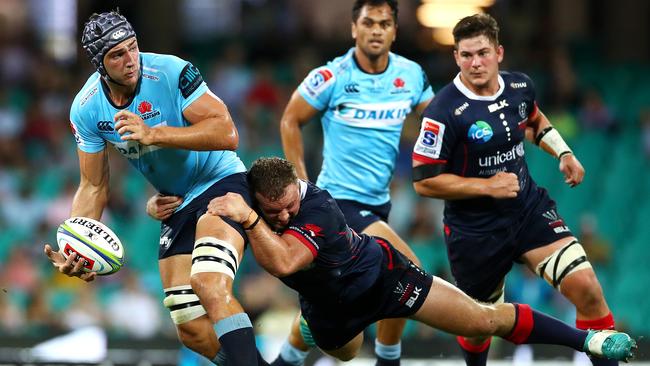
157, 112
346, 281
470, 153
365, 96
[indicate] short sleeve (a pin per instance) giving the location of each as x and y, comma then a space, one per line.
437, 138
314, 228
317, 87
187, 79
87, 138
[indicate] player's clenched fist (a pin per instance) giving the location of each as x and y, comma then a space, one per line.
231, 205
503, 185
126, 121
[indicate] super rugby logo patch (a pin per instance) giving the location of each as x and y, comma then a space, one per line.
319, 80
190, 80
429, 143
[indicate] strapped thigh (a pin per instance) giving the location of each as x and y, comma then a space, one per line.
564, 261
214, 255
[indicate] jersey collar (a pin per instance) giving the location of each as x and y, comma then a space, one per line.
302, 186
470, 94
356, 63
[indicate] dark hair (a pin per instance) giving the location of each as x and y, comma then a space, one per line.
271, 176
358, 4
477, 25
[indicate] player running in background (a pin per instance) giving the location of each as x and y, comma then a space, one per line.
159, 114
346, 281
365, 96
470, 153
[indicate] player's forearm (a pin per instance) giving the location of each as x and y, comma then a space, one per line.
209, 134
271, 252
90, 200
451, 187
292, 144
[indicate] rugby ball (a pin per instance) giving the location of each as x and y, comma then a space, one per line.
92, 241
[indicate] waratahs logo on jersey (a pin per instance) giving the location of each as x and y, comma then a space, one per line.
146, 110
480, 132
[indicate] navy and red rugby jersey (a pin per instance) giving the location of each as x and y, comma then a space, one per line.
345, 263
478, 136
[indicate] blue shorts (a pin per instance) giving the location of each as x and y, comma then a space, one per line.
177, 233
359, 215
399, 292
480, 262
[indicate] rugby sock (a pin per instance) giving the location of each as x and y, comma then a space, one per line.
290, 356
606, 322
474, 355
237, 340
534, 327
388, 355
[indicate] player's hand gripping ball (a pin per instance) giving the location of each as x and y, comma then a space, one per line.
93, 242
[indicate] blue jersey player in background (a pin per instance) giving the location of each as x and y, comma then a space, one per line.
346, 281
470, 153
364, 96
158, 113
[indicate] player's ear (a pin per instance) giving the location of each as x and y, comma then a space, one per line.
500, 53
353, 30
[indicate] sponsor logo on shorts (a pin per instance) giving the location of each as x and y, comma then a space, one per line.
365, 213
165, 242
480, 132
409, 293
555, 222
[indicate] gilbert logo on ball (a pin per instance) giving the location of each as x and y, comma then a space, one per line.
93, 242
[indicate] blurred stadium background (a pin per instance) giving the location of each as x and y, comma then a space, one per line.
589, 58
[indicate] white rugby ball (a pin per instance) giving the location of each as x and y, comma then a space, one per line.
94, 242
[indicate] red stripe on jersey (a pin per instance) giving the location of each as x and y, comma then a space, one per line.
387, 249
304, 241
426, 160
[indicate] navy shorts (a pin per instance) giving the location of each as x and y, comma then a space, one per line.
177, 233
399, 292
359, 215
480, 262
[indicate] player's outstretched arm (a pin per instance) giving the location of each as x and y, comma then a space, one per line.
89, 201
278, 255
297, 113
211, 127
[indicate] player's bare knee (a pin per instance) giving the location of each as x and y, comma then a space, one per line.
584, 291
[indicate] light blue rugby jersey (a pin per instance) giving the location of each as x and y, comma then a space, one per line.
362, 122
167, 86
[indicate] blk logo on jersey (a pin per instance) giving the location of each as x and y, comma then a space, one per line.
429, 142
480, 132
498, 105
